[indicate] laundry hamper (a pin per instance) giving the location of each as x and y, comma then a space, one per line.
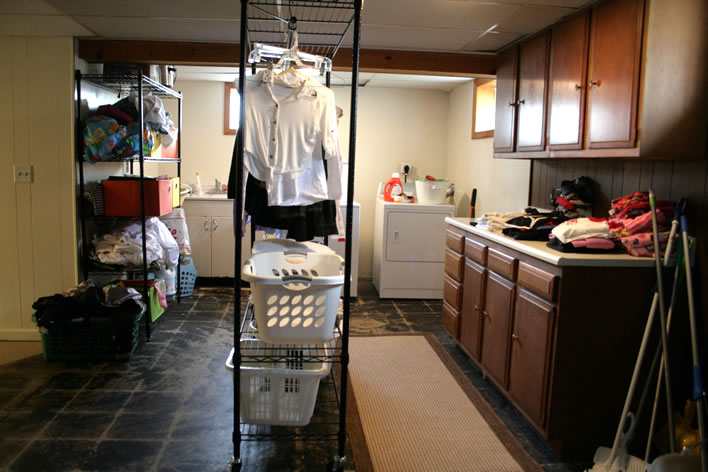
295, 295
278, 390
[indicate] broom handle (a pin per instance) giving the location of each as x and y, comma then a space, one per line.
697, 381
674, 291
662, 318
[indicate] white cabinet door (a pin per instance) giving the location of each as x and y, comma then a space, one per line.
415, 237
199, 228
222, 247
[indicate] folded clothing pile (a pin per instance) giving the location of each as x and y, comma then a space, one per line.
86, 301
631, 222
533, 225
575, 197
583, 235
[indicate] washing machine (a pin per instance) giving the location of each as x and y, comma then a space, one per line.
409, 249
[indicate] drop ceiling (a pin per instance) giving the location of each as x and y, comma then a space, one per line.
456, 26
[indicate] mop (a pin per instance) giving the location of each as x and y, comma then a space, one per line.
689, 462
618, 459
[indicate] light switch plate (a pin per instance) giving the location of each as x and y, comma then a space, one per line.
23, 174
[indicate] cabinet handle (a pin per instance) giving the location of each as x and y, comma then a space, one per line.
514, 337
206, 225
214, 225
484, 313
578, 87
594, 83
521, 102
476, 308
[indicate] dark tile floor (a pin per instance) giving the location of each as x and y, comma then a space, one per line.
170, 407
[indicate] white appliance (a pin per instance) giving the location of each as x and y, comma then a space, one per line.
336, 243
409, 249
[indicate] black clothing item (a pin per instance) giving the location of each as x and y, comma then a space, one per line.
535, 234
556, 244
581, 187
303, 223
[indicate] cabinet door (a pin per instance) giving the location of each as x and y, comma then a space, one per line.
472, 305
566, 100
530, 354
199, 228
533, 78
613, 73
496, 327
222, 247
504, 119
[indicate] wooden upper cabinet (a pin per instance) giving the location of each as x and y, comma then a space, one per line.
613, 73
533, 78
505, 117
568, 73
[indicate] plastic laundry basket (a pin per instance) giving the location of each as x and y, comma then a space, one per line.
277, 392
295, 295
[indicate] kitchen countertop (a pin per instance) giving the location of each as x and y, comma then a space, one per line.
207, 196
539, 250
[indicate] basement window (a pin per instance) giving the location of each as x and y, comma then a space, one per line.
483, 108
232, 107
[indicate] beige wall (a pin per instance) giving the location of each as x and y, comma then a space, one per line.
38, 242
502, 184
205, 147
393, 125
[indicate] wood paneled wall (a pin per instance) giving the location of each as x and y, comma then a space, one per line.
38, 238
613, 178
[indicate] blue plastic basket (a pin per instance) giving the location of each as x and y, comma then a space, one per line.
187, 276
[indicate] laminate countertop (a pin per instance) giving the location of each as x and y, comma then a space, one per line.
539, 250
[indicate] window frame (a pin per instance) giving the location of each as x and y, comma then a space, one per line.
480, 134
228, 87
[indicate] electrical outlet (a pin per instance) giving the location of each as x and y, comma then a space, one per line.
406, 168
23, 174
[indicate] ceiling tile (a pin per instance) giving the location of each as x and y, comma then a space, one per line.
217, 9
36, 7
435, 14
530, 19
163, 29
41, 25
491, 41
420, 39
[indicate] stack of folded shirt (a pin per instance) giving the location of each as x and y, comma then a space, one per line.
575, 197
583, 235
533, 225
631, 222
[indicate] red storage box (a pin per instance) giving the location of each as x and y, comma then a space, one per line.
122, 197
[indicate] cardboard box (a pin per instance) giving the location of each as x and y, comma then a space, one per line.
175, 192
122, 197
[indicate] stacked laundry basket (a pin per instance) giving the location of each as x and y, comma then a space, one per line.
288, 331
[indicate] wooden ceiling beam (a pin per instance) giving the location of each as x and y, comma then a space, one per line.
225, 54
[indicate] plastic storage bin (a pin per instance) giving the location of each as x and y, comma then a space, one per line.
93, 339
295, 295
279, 392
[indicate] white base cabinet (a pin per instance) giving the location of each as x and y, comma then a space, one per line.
211, 235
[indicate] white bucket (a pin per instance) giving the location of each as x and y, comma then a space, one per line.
431, 192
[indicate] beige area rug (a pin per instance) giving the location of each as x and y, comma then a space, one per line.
410, 408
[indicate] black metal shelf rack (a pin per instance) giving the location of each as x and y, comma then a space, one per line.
322, 26
122, 85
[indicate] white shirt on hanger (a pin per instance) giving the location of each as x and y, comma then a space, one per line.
289, 120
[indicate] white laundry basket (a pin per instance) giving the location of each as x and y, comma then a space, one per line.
278, 392
295, 295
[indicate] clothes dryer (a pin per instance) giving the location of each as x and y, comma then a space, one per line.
409, 249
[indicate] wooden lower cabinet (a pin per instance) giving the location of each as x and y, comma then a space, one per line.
559, 342
472, 305
531, 339
496, 327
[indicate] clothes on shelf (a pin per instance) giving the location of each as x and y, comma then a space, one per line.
123, 246
631, 222
292, 159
